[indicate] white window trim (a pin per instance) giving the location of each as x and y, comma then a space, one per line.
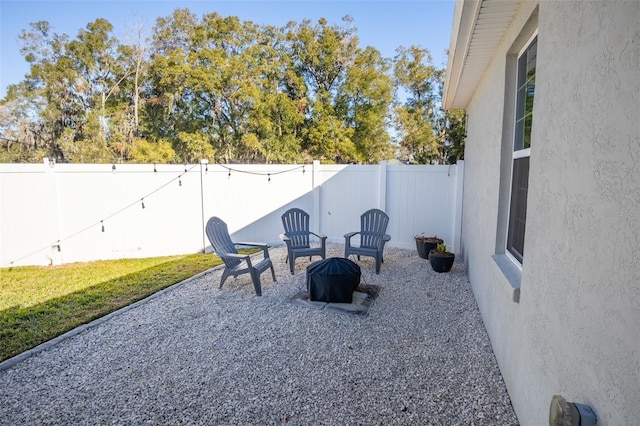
527, 44
521, 153
515, 261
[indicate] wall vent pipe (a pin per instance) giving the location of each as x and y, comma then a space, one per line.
563, 413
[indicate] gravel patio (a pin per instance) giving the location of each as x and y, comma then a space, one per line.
199, 355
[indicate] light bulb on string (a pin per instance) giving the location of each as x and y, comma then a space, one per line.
269, 177
102, 223
154, 168
302, 169
59, 249
113, 168
229, 175
142, 201
180, 180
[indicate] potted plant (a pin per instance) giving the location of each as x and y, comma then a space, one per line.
425, 244
441, 260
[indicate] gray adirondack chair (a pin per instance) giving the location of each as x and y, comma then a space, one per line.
373, 236
234, 263
297, 236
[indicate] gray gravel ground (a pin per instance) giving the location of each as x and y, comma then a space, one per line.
195, 354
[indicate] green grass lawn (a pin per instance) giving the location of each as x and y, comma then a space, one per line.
38, 303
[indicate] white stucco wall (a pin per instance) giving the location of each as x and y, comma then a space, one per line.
576, 328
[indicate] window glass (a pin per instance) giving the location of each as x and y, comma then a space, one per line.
525, 92
526, 78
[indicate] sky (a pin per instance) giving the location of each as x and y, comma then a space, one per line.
383, 24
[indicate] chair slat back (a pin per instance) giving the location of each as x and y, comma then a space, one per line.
218, 235
296, 226
373, 227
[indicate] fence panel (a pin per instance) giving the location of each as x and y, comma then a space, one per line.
345, 193
55, 214
251, 198
420, 200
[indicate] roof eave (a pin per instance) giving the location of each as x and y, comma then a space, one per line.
478, 28
464, 17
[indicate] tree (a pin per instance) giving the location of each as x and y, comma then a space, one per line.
135, 56
94, 56
75, 90
456, 134
225, 89
47, 86
322, 54
278, 115
416, 118
169, 70
364, 100
20, 139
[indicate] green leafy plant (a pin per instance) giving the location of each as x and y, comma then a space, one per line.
442, 247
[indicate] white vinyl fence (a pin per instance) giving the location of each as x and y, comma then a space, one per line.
60, 213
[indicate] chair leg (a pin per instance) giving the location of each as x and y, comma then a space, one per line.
292, 264
255, 277
273, 274
225, 275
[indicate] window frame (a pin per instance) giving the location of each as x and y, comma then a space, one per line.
517, 154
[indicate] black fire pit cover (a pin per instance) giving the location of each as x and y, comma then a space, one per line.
332, 280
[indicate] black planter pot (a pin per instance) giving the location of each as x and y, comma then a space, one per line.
441, 261
425, 245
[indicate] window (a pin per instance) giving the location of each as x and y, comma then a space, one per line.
525, 88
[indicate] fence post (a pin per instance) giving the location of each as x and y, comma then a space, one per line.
52, 217
204, 162
382, 186
315, 189
457, 207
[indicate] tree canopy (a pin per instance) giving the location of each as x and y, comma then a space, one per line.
227, 90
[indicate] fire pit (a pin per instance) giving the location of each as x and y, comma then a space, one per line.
332, 280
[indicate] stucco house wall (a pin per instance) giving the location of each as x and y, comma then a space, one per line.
571, 325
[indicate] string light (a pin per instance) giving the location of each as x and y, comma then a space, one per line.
141, 200
101, 222
261, 173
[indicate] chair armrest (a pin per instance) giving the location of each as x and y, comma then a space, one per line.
284, 238
232, 256
263, 246
350, 234
251, 244
319, 235
383, 241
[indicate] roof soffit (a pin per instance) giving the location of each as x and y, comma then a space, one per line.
478, 28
